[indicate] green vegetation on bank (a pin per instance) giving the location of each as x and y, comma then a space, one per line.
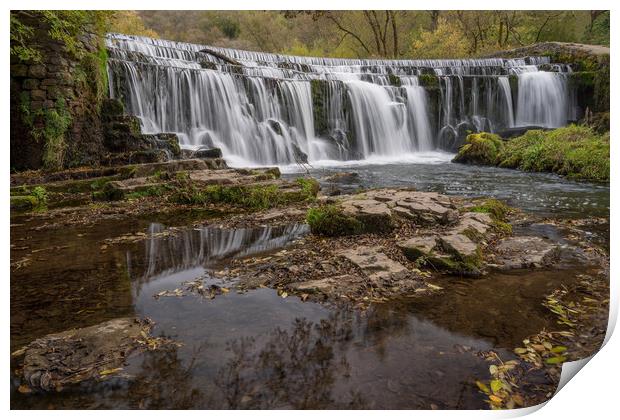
574, 151
253, 197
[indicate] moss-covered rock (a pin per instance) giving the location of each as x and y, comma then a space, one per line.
330, 220
480, 149
428, 81
23, 202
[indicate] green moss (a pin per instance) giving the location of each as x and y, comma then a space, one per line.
575, 151
151, 191
394, 80
495, 208
329, 220
26, 199
501, 228
428, 80
253, 197
108, 192
23, 202
480, 149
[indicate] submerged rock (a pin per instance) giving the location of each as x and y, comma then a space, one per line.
344, 178
91, 353
524, 252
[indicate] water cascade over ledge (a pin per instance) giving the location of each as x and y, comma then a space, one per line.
265, 109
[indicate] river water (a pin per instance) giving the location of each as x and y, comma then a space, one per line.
259, 350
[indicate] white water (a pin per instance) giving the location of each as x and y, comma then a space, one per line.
543, 99
263, 112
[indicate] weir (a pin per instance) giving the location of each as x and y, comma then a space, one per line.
277, 109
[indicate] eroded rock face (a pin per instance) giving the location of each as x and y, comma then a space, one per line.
524, 252
73, 356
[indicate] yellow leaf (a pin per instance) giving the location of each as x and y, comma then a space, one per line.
496, 385
483, 387
495, 399
109, 371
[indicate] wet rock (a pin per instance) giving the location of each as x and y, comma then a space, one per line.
331, 286
73, 356
524, 252
344, 178
207, 153
417, 247
375, 264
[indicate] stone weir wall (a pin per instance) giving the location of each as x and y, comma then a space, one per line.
55, 101
61, 114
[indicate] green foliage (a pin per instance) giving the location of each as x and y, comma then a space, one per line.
309, 187
64, 26
575, 151
40, 194
329, 220
54, 123
480, 149
386, 34
20, 37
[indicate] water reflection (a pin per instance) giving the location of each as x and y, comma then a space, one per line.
208, 245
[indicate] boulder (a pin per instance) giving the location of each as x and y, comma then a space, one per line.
207, 153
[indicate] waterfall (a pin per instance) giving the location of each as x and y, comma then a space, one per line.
417, 109
278, 109
542, 99
504, 85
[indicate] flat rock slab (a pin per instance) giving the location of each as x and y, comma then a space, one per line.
375, 264
459, 245
419, 246
426, 208
524, 252
73, 356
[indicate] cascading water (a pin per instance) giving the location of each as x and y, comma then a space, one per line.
543, 99
276, 109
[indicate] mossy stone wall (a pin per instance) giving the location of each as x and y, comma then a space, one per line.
55, 102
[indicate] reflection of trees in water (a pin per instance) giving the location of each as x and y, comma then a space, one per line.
165, 381
295, 368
